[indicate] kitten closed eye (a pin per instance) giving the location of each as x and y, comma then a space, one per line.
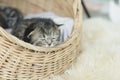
42, 38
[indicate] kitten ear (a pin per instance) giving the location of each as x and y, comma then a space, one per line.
30, 34
30, 30
59, 25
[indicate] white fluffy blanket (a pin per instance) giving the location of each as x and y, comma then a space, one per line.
100, 57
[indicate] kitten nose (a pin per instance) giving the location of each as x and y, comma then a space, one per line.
49, 43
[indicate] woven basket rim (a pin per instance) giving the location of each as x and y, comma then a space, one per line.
11, 37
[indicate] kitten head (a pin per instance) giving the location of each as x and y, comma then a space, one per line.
44, 33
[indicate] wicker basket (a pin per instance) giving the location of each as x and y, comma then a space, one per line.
23, 61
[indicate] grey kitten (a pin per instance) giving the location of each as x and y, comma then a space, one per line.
41, 32
9, 16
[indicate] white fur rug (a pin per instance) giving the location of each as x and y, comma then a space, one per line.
100, 58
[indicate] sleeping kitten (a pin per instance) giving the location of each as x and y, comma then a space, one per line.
10, 16
44, 33
39, 31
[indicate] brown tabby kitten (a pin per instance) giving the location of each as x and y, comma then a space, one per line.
39, 31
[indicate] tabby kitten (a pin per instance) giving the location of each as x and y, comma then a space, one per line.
9, 16
40, 32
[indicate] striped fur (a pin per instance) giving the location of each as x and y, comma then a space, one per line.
9, 16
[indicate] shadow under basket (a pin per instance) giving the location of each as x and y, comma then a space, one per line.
23, 61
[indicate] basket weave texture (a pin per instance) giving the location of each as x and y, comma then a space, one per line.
23, 61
